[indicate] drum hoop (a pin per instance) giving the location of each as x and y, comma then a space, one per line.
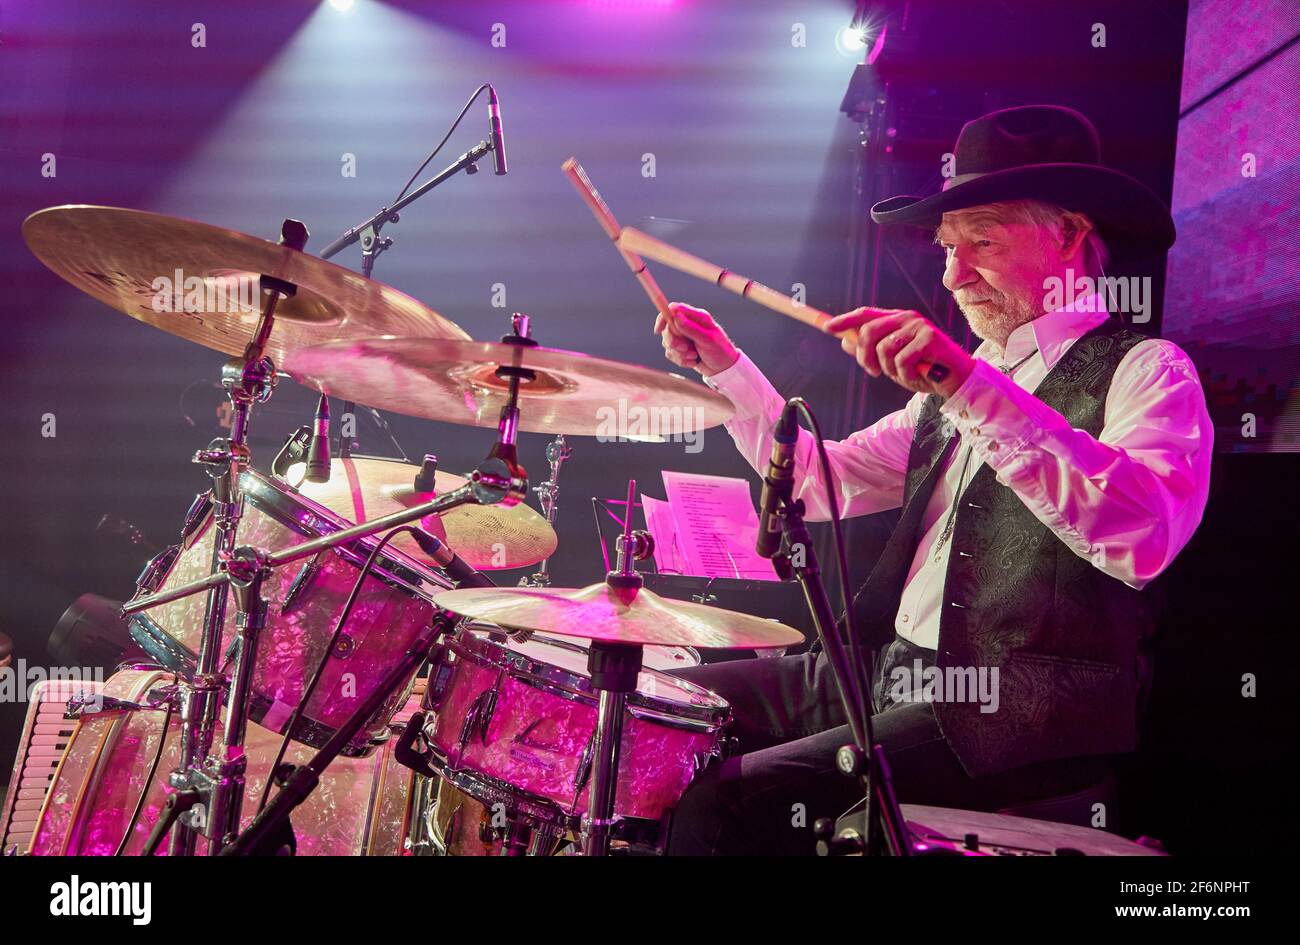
315, 734
489, 790
289, 507
569, 685
161, 646
117, 720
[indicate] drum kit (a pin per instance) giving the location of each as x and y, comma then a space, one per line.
299, 608
287, 629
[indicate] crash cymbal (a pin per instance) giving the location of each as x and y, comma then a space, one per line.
487, 537
133, 261
455, 381
599, 612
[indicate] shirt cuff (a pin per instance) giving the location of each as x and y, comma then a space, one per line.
994, 414
744, 385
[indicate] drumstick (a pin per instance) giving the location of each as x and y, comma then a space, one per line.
643, 244
605, 217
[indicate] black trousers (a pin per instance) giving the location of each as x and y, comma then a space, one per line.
789, 722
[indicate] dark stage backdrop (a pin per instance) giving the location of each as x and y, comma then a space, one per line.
1234, 286
712, 123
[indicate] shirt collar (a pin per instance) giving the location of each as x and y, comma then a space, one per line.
1051, 334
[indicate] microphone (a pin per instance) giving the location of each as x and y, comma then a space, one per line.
778, 484
494, 130
318, 449
452, 564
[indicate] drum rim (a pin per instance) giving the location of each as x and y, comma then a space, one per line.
572, 643
547, 676
488, 790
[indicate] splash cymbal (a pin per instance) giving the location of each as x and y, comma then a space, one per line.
199, 282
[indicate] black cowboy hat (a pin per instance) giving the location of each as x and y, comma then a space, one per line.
1049, 153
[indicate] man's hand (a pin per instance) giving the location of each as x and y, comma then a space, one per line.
896, 342
692, 339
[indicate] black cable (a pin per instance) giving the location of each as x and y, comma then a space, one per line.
153, 771
383, 425
861, 679
450, 131
320, 667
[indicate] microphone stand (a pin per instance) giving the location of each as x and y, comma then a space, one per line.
367, 232
886, 831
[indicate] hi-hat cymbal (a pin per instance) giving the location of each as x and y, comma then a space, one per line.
487, 537
132, 260
599, 612
456, 381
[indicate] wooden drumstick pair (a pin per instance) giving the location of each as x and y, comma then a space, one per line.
633, 245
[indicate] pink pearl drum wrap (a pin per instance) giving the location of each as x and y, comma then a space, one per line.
515, 722
304, 600
361, 806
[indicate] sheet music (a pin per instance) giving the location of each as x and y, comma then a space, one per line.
717, 526
669, 558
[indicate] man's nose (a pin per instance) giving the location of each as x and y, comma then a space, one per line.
958, 272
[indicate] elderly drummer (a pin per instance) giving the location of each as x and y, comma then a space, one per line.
1045, 482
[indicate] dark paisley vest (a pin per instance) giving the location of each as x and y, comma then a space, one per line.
1068, 640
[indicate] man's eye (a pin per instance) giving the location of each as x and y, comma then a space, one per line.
984, 244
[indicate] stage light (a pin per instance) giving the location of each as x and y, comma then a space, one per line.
343, 6
851, 40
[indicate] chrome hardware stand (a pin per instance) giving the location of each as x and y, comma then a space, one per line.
557, 451
248, 380
614, 668
208, 798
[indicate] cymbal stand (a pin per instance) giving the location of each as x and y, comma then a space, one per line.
206, 783
218, 784
614, 668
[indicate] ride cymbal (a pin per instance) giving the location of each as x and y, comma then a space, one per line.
457, 382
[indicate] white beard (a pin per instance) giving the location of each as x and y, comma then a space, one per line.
996, 320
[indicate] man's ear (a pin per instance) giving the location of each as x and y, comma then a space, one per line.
1075, 228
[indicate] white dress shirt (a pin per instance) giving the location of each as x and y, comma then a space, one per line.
1127, 500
